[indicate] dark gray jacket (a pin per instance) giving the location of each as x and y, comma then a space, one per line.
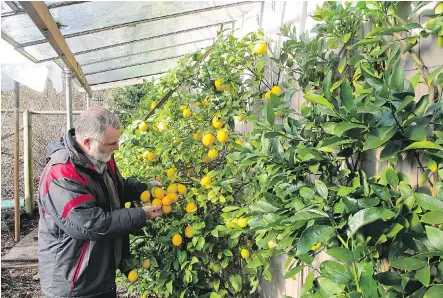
77, 225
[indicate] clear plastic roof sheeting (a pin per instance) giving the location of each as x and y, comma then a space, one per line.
124, 40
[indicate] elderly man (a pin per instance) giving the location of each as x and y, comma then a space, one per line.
84, 227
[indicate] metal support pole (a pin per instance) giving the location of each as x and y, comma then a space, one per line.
262, 11
27, 141
88, 101
16, 158
68, 85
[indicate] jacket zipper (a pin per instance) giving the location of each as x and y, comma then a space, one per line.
79, 263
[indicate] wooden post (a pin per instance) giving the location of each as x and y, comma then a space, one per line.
27, 142
16, 158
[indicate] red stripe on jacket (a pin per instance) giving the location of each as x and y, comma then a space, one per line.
59, 171
75, 202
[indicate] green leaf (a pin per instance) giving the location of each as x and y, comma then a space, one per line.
327, 85
378, 137
424, 275
344, 191
254, 263
293, 271
424, 145
337, 272
169, 287
367, 216
329, 287
367, 282
392, 177
230, 208
341, 254
341, 66
382, 192
408, 263
435, 236
318, 99
416, 133
236, 282
342, 127
414, 80
270, 114
307, 193
345, 37
337, 84
432, 217
321, 189
312, 236
433, 74
305, 215
262, 207
346, 95
309, 283
428, 203
434, 292
388, 278
398, 78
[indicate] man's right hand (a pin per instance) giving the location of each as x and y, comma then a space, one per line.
152, 211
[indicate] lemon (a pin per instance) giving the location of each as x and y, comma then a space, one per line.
191, 207
268, 95
181, 189
132, 276
166, 208
198, 136
206, 159
276, 90
260, 48
213, 154
177, 240
143, 127
197, 103
188, 232
170, 172
166, 201
244, 253
146, 263
157, 202
187, 113
145, 196
240, 117
162, 126
242, 222
222, 136
172, 188
272, 244
208, 139
205, 181
238, 141
218, 83
217, 123
159, 193
316, 246
173, 197
151, 156
146, 154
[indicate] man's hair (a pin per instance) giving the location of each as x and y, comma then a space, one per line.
93, 122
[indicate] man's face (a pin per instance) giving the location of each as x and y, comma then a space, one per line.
102, 149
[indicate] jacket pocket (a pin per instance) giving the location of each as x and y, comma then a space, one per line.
79, 264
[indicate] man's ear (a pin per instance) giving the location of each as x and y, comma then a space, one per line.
87, 143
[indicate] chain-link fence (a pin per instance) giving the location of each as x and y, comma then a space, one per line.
45, 128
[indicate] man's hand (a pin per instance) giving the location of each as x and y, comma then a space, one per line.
153, 211
155, 183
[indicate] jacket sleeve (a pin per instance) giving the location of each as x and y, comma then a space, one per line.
132, 189
74, 209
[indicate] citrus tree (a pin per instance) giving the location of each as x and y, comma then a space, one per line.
184, 145
295, 184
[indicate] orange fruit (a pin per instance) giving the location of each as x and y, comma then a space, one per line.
181, 189
166, 201
177, 240
159, 193
191, 207
143, 127
132, 276
172, 188
157, 202
173, 197
170, 172
145, 196
166, 209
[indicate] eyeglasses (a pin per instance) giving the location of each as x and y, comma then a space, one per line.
112, 145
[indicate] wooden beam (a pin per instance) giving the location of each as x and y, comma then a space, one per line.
42, 18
